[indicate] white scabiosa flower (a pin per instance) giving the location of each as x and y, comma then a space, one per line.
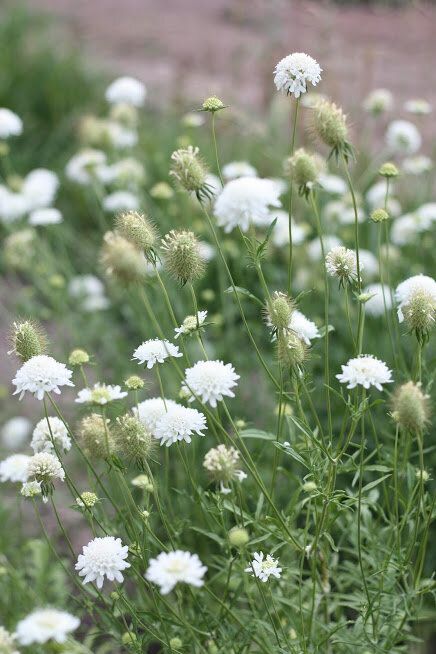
14, 468
149, 411
223, 465
103, 557
264, 567
7, 642
45, 467
405, 290
236, 169
179, 423
292, 73
100, 394
171, 568
244, 201
191, 324
39, 188
332, 184
41, 374
365, 370
43, 436
314, 250
89, 292
31, 489
155, 351
417, 165
341, 262
44, 625
15, 432
303, 327
126, 90
47, 216
82, 167
10, 124
121, 201
369, 264
375, 306
210, 381
13, 206
280, 234
418, 107
378, 102
403, 137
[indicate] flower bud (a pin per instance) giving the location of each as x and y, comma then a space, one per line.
331, 125
78, 357
86, 500
410, 407
122, 260
128, 638
139, 230
279, 310
213, 104
132, 439
388, 169
189, 171
28, 340
238, 537
182, 256
304, 168
134, 383
309, 486
96, 438
379, 215
176, 643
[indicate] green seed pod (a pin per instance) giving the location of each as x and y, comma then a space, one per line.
189, 170
122, 260
388, 169
304, 168
139, 230
132, 439
78, 357
291, 350
238, 537
28, 339
379, 215
279, 310
330, 124
97, 440
410, 407
182, 256
134, 383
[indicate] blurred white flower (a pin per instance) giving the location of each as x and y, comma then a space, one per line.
42, 439
128, 172
126, 90
236, 169
210, 381
332, 184
41, 374
149, 411
10, 124
407, 289
263, 568
378, 101
303, 327
314, 250
406, 228
179, 423
368, 263
47, 216
206, 250
246, 200
294, 72
14, 468
376, 195
403, 137
82, 167
171, 568
365, 370
45, 625
121, 201
418, 106
13, 206
191, 324
103, 557
15, 432
39, 188
119, 136
280, 234
100, 394
31, 489
417, 165
155, 351
7, 642
375, 306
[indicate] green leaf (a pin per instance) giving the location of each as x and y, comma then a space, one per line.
257, 433
243, 291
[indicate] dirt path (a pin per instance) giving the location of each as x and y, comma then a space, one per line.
191, 48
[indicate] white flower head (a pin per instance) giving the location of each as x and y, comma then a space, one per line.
179, 423
264, 567
39, 188
14, 468
381, 297
10, 124
365, 370
7, 642
121, 201
332, 184
294, 72
155, 351
44, 625
417, 165
82, 167
31, 489
210, 381
222, 462
171, 568
245, 201
47, 216
379, 101
126, 90
236, 169
341, 262
191, 324
45, 467
41, 374
100, 394
12, 205
369, 264
15, 432
44, 436
403, 137
149, 411
418, 106
303, 327
407, 289
103, 557
280, 235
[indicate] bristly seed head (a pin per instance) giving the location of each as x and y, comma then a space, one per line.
330, 124
182, 256
132, 439
279, 311
28, 340
122, 259
96, 438
190, 171
410, 407
139, 230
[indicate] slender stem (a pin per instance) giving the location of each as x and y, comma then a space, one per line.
291, 194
